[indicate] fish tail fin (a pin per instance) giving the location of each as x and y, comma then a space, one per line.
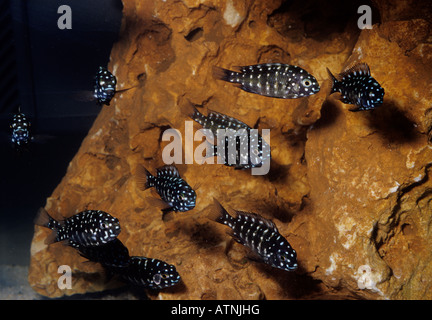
192, 112
43, 219
224, 74
333, 80
144, 178
219, 214
189, 109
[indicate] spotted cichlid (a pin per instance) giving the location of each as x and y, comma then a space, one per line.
173, 190
112, 255
20, 126
358, 87
256, 150
87, 228
274, 80
150, 273
260, 235
105, 86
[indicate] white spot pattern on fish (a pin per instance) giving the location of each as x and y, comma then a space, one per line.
274, 80
358, 87
88, 228
261, 236
105, 87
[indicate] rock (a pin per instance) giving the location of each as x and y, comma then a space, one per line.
368, 174
349, 191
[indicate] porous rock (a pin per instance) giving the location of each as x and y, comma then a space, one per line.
350, 191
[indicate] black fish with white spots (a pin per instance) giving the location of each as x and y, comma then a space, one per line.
260, 235
87, 228
256, 151
172, 189
112, 255
274, 80
150, 273
20, 126
358, 87
105, 87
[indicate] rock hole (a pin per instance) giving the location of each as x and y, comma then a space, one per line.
194, 34
141, 77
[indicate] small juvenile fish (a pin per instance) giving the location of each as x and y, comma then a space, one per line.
358, 87
244, 160
112, 255
87, 228
105, 87
173, 190
150, 273
20, 126
272, 80
261, 236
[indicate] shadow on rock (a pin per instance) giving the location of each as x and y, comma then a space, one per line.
392, 124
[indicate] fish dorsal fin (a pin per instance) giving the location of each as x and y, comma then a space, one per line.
259, 219
168, 170
357, 69
241, 124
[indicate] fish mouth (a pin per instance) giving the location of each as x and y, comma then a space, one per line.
292, 268
190, 206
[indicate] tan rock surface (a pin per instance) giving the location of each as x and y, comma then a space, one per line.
350, 191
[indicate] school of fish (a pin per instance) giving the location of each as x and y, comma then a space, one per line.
94, 233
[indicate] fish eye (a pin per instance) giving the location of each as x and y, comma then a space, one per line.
104, 225
306, 82
164, 276
182, 196
157, 278
371, 94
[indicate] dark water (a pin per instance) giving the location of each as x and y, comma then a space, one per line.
44, 71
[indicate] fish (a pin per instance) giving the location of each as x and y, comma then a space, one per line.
140, 271
87, 228
358, 87
260, 235
256, 151
105, 86
274, 80
150, 273
172, 189
113, 255
21, 135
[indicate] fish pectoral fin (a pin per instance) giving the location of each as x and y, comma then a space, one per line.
254, 257
157, 202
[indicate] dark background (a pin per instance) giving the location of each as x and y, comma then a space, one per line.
45, 71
